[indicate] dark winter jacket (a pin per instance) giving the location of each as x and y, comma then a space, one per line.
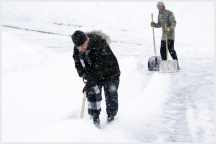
98, 63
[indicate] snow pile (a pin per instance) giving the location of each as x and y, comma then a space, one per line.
18, 55
35, 84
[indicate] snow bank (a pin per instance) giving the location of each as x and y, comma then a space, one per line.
36, 89
127, 16
18, 55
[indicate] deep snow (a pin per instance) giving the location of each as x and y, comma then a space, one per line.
41, 90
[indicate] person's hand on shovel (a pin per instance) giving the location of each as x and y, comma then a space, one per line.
85, 87
88, 84
153, 24
168, 30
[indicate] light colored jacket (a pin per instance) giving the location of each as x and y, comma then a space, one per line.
166, 16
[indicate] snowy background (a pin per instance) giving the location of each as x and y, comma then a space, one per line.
42, 93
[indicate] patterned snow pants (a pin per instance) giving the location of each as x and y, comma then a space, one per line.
170, 48
94, 98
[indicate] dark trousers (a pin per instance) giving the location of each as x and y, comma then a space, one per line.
170, 48
94, 98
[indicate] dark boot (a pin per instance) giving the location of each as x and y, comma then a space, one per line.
178, 67
110, 119
96, 121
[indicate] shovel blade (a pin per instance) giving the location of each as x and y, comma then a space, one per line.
168, 66
154, 63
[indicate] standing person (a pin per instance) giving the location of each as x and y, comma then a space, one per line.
166, 17
96, 63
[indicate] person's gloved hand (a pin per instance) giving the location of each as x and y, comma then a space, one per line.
153, 24
84, 76
84, 89
168, 30
90, 83
84, 81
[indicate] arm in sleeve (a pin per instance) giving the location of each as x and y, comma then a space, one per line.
172, 20
158, 24
78, 64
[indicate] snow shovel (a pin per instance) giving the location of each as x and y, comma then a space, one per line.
154, 61
168, 66
83, 105
83, 102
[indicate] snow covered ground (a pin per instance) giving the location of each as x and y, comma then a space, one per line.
41, 90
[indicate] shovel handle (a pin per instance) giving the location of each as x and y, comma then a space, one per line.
83, 105
166, 45
152, 17
153, 35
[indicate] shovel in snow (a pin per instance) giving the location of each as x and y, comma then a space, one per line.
83, 105
154, 61
168, 66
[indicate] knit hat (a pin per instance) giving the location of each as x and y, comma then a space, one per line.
160, 4
78, 38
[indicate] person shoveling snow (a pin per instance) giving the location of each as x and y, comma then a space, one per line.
96, 63
166, 17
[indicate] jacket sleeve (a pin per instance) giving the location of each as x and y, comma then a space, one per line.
78, 64
100, 61
158, 24
172, 20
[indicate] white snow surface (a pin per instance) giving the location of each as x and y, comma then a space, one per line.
42, 93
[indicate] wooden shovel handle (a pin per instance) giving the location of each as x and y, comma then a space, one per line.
153, 35
83, 105
166, 45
